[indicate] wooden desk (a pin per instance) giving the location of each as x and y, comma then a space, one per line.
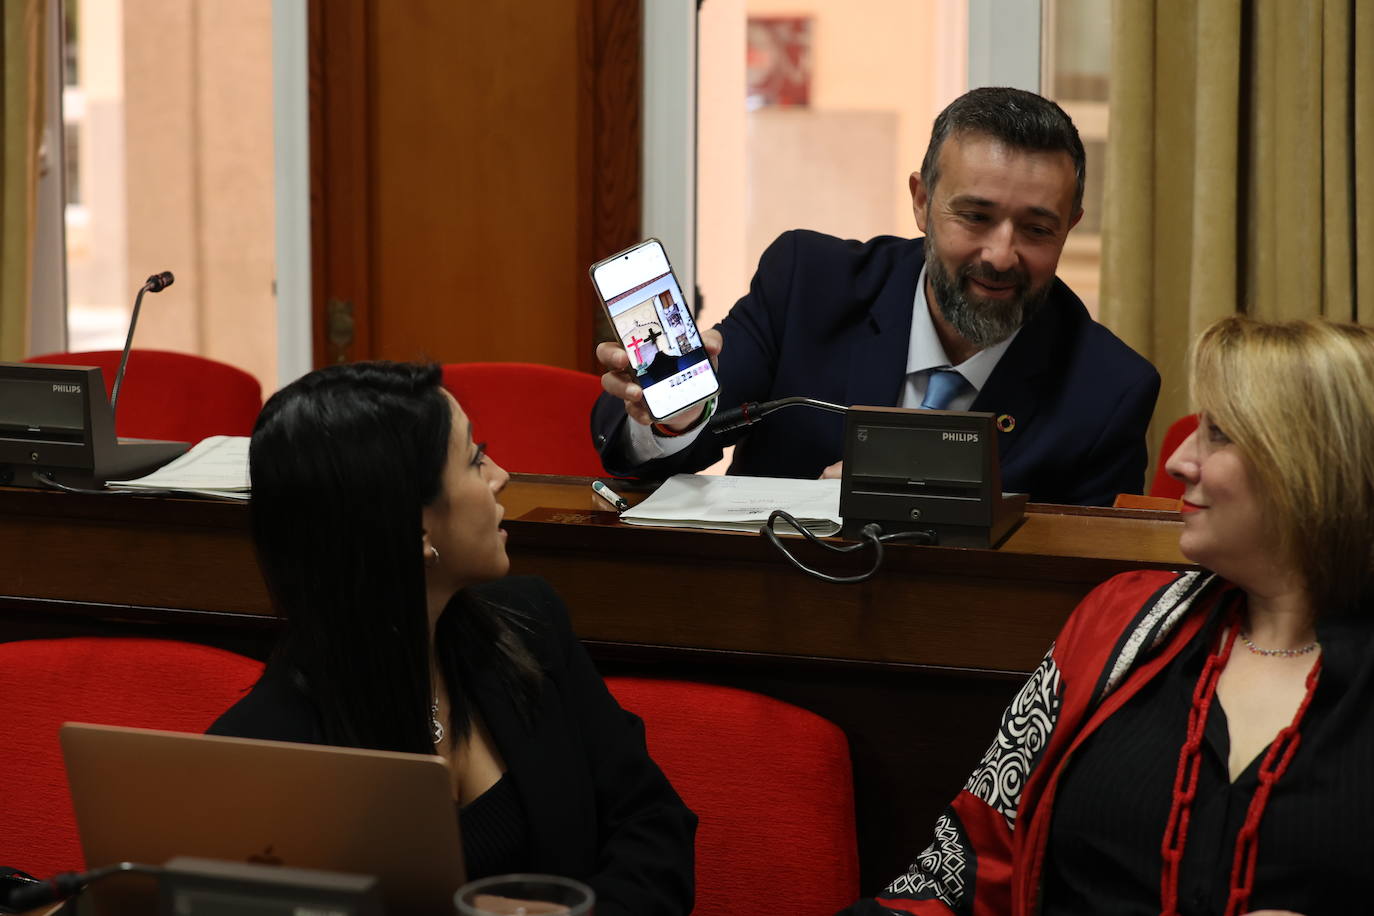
916, 665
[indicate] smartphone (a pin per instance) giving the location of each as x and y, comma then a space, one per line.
654, 323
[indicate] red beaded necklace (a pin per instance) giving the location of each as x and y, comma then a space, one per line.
1272, 768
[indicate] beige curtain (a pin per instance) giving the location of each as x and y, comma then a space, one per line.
1240, 171
20, 131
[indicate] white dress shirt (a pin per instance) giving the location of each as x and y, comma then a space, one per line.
924, 355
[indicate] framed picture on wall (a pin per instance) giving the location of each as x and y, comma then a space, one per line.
779, 61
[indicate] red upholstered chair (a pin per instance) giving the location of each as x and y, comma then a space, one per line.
175, 396
535, 419
772, 787
145, 683
1163, 484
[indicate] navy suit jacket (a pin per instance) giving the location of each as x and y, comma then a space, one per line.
831, 319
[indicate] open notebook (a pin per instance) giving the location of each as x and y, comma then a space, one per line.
739, 503
217, 466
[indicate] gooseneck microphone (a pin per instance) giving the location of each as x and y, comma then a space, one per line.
158, 282
154, 284
751, 412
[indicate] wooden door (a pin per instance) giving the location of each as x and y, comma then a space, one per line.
468, 162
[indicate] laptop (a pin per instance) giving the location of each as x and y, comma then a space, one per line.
146, 796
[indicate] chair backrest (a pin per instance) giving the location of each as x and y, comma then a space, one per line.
146, 683
1164, 485
536, 419
773, 790
175, 396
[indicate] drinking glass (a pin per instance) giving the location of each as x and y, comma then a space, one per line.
525, 895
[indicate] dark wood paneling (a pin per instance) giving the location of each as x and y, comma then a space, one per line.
340, 169
610, 174
915, 665
130, 558
470, 161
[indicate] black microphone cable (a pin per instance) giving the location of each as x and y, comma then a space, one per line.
69, 883
47, 479
751, 412
871, 533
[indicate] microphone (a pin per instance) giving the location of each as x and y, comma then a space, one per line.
32, 896
154, 284
158, 282
67, 884
751, 412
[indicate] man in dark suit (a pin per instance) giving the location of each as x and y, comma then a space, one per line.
971, 317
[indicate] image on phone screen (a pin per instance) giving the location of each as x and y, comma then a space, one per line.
654, 324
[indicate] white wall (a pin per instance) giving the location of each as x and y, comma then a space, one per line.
882, 70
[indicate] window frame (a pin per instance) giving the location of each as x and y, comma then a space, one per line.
998, 55
291, 191
48, 261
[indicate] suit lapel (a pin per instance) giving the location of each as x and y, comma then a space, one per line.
877, 361
1016, 392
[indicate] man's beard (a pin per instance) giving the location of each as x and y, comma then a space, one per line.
982, 322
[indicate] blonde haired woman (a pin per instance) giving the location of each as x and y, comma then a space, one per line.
1203, 742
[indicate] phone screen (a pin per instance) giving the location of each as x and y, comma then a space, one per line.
652, 320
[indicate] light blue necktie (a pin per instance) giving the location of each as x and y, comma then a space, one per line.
942, 387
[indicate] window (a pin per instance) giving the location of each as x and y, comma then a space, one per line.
829, 144
812, 114
169, 166
1077, 41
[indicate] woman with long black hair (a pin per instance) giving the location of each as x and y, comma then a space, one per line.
377, 529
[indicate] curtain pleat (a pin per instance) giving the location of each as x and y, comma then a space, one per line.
20, 125
1127, 292
1363, 159
1292, 238
1173, 180
1216, 154
1240, 171
1337, 167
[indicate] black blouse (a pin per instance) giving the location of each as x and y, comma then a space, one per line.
495, 831
1316, 839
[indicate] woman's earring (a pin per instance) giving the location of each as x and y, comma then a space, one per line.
432, 558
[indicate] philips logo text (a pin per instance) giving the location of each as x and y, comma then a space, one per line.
66, 389
958, 437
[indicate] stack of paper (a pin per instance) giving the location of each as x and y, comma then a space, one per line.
217, 466
739, 503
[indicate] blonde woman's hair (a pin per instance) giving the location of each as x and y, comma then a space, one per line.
1297, 399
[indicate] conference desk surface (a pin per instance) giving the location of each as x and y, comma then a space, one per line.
915, 664
184, 560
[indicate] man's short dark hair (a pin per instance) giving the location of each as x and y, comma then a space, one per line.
1020, 119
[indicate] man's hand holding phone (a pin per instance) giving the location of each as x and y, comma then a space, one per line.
620, 383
